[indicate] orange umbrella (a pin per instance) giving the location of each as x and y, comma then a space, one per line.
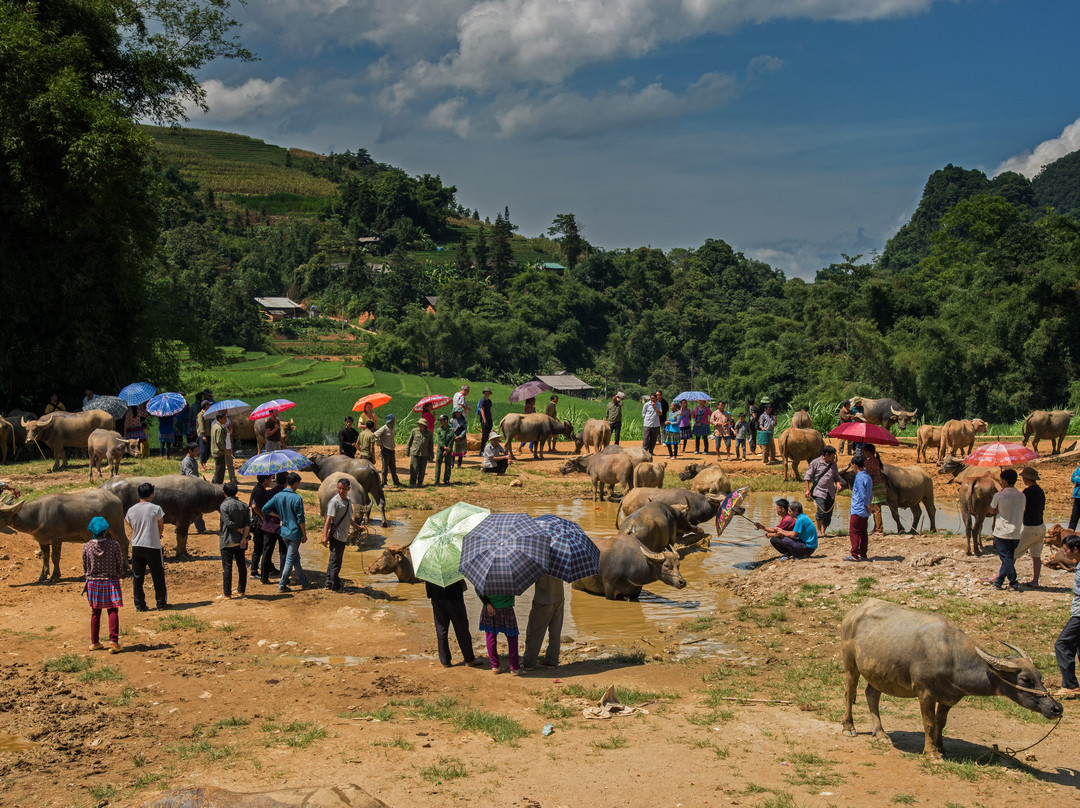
374, 399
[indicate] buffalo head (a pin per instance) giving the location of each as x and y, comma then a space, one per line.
571, 465
1020, 680
692, 470
668, 561
389, 561
903, 418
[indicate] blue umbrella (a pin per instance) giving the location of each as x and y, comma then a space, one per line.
138, 393
691, 395
273, 462
505, 554
573, 555
164, 404
226, 405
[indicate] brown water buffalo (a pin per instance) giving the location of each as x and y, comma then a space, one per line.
712, 481
361, 505
398, 560
243, 428
802, 420
959, 436
974, 498
58, 431
928, 436
626, 567
796, 445
884, 412
535, 427
182, 498
908, 487
603, 469
916, 655
106, 444
636, 454
594, 436
699, 508
363, 471
649, 475
57, 518
1055, 538
657, 525
1052, 426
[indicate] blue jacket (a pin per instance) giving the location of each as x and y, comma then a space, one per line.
1076, 483
806, 531
862, 492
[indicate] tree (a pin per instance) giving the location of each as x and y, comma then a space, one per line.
501, 255
566, 226
480, 252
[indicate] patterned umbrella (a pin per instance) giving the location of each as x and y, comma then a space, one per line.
860, 431
434, 401
116, 407
138, 393
270, 407
528, 390
1000, 454
376, 400
273, 462
227, 405
436, 550
727, 508
505, 554
573, 555
164, 404
691, 395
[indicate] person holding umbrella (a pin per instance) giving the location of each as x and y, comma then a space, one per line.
876, 470
289, 508
274, 440
545, 617
444, 442
862, 488
1008, 506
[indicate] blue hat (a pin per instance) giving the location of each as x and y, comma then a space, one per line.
97, 526
389, 418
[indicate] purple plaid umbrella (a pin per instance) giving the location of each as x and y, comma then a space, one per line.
573, 555
528, 390
505, 554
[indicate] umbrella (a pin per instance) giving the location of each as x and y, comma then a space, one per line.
505, 554
1000, 454
138, 393
273, 462
691, 395
116, 407
434, 401
226, 405
436, 550
270, 407
727, 508
862, 432
164, 404
528, 390
573, 555
376, 400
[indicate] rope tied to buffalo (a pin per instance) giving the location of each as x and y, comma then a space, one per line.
995, 749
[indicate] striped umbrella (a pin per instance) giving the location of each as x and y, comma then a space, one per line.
505, 554
271, 407
165, 404
116, 407
434, 401
436, 550
573, 555
138, 393
273, 462
227, 405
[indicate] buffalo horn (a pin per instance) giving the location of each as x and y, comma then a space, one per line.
651, 555
1019, 651
897, 412
997, 662
13, 507
23, 421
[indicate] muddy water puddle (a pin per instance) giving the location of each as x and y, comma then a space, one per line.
13, 743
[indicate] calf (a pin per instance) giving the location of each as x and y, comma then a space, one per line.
395, 559
106, 444
649, 475
604, 469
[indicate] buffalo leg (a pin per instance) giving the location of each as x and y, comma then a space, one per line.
939, 727
916, 519
896, 518
181, 539
44, 564
930, 710
55, 561
931, 513
851, 685
873, 703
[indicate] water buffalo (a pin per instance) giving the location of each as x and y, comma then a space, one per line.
908, 487
884, 412
657, 525
928, 436
594, 436
363, 471
182, 498
700, 508
18, 431
636, 454
361, 505
626, 566
796, 445
802, 420
1053, 426
535, 427
706, 479
106, 444
974, 498
915, 655
57, 518
959, 436
603, 469
649, 475
1055, 538
243, 428
395, 559
58, 431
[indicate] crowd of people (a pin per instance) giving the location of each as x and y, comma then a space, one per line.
675, 425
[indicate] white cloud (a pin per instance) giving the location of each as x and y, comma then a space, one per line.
1030, 163
253, 97
447, 115
764, 63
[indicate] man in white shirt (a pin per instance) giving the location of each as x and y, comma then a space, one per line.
336, 533
147, 522
651, 415
1008, 506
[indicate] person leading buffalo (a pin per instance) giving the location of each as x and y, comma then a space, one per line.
823, 482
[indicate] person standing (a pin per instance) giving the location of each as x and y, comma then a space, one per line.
461, 435
798, 541
336, 533
741, 429
166, 434
662, 402
1068, 642
461, 399
274, 439
428, 416
1033, 531
347, 438
823, 482
387, 441
103, 564
448, 608
498, 615
845, 417
552, 411
88, 397
55, 404
1008, 506
672, 432
266, 489
289, 508
365, 443
220, 450
686, 426
444, 443
485, 418
752, 420
420, 450
545, 617
235, 527
766, 425
701, 415
876, 470
147, 522
202, 429
1075, 480
614, 417
189, 467
651, 416
134, 429
528, 409
862, 490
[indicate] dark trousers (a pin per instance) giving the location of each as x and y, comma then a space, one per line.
204, 449
1006, 550
270, 541
221, 465
857, 533
230, 556
1065, 649
500, 467
444, 459
790, 547
616, 431
485, 431
154, 559
650, 435
256, 549
333, 564
1075, 513
447, 612
389, 465
417, 470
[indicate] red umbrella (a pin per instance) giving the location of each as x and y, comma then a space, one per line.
265, 410
434, 401
862, 432
374, 399
1000, 454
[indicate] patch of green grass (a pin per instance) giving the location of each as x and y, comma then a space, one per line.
102, 792
381, 714
499, 728
105, 674
446, 768
904, 799
632, 657
754, 788
182, 622
813, 589
139, 760
614, 742
233, 721
297, 734
780, 799
813, 771
202, 748
126, 696
551, 708
779, 599
68, 663
144, 779
964, 767
695, 625
397, 743
628, 696
710, 718
865, 584
227, 628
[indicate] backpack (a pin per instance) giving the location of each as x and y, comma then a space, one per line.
478, 407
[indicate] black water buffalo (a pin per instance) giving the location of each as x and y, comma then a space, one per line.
182, 498
363, 471
700, 508
884, 412
657, 525
626, 566
915, 655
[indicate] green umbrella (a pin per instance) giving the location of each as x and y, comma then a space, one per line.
436, 550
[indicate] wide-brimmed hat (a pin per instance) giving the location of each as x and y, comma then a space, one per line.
494, 436
486, 390
1029, 472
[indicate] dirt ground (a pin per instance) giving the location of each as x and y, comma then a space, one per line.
313, 687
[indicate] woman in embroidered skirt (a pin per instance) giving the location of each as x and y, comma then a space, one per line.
701, 429
672, 432
461, 435
134, 429
498, 615
102, 565
880, 496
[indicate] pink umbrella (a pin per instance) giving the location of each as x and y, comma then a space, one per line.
434, 401
270, 408
862, 432
1000, 454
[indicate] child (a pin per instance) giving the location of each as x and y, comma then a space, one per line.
235, 524
672, 433
498, 615
742, 428
102, 566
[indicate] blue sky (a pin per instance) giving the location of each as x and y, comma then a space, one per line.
795, 130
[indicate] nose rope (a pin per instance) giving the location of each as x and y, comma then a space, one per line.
994, 750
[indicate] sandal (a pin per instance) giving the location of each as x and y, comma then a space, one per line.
1067, 692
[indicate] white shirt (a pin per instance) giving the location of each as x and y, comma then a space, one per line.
143, 518
459, 401
649, 413
1010, 513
